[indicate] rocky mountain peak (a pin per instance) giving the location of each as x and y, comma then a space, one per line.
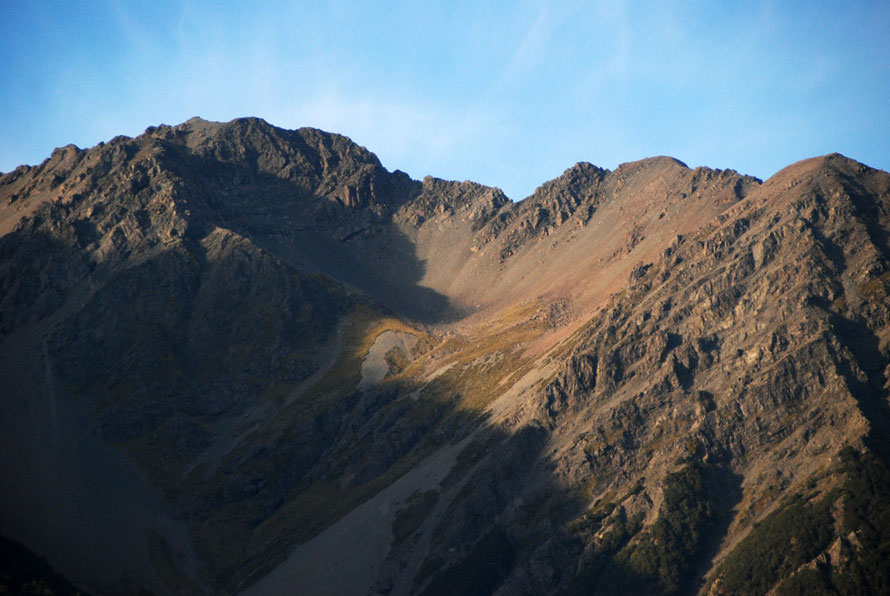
228, 349
568, 189
815, 169
659, 163
314, 162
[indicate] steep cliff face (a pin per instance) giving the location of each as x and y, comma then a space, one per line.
240, 357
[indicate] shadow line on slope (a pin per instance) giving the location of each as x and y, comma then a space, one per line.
358, 246
872, 396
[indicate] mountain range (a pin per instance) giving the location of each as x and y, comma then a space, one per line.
242, 359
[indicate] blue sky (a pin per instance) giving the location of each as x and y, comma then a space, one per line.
506, 94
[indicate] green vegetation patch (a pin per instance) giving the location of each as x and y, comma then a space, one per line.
480, 571
866, 516
668, 553
661, 559
797, 549
592, 520
784, 541
601, 569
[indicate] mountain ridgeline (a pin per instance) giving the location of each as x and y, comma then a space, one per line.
242, 359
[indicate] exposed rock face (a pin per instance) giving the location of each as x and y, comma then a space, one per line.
240, 357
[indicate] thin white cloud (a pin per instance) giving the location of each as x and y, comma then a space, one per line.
411, 131
531, 49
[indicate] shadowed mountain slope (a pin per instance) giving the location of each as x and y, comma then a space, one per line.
241, 358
